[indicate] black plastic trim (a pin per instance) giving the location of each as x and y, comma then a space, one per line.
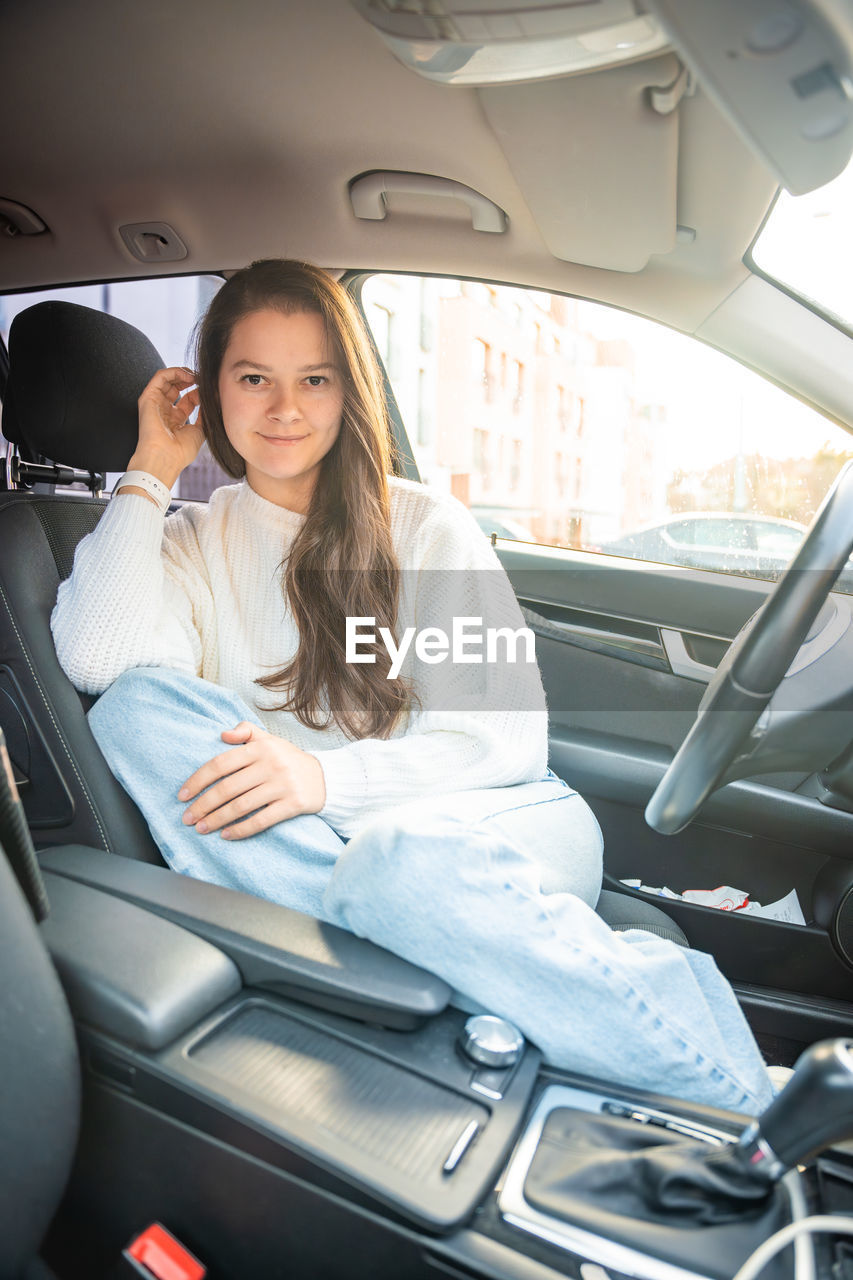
628, 771
804, 1018
274, 948
255, 1102
637, 642
128, 972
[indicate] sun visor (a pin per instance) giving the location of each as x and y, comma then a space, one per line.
596, 161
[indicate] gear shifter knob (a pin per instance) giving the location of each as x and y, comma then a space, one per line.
814, 1110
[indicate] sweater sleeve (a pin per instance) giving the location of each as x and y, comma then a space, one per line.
132, 598
476, 723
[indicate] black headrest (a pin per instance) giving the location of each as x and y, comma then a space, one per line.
75, 376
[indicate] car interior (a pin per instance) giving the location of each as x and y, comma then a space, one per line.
284, 1098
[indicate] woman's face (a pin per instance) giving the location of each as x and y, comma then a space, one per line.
282, 399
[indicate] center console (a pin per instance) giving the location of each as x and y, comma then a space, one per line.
583, 1179
292, 1101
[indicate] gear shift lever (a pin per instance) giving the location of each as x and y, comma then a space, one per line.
587, 1165
814, 1110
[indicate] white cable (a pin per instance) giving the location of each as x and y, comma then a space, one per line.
804, 1254
842, 1225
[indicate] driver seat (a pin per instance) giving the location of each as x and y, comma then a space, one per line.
74, 381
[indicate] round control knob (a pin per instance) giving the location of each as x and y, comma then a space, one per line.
490, 1041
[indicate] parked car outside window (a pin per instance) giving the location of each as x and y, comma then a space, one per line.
755, 545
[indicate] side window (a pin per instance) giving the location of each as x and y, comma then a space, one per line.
166, 311
575, 425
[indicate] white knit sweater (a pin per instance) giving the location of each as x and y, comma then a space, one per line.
202, 593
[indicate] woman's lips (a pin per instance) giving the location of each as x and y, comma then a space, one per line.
283, 439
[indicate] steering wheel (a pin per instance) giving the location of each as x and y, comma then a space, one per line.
755, 664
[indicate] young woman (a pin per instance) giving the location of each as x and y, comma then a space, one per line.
260, 703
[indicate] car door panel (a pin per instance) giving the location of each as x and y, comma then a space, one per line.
617, 714
602, 628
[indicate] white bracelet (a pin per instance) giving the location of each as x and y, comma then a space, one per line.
152, 486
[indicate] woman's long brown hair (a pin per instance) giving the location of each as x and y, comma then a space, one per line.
341, 563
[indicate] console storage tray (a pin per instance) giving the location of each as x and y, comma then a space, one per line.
379, 1110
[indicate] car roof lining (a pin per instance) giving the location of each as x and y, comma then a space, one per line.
270, 113
305, 97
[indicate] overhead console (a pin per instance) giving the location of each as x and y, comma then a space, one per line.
781, 72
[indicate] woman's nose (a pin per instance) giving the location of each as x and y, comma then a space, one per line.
282, 404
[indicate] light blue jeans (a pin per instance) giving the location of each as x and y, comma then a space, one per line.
493, 890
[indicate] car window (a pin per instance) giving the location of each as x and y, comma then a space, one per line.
803, 241
571, 424
720, 531
166, 311
776, 537
681, 532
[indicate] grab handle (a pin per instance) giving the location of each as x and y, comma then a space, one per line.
369, 197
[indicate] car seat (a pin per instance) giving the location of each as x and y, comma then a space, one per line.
40, 1098
75, 378
75, 375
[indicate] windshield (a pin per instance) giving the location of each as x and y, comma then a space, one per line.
805, 245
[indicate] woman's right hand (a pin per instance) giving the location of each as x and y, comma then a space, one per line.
168, 442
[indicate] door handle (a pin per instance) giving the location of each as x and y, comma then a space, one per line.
680, 660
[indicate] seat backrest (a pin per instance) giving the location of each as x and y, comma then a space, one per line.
40, 1074
75, 377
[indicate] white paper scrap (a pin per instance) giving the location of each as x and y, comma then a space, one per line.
787, 909
725, 898
647, 888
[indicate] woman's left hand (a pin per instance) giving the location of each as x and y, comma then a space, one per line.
260, 773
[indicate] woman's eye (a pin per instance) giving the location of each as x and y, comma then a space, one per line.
253, 379
316, 380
